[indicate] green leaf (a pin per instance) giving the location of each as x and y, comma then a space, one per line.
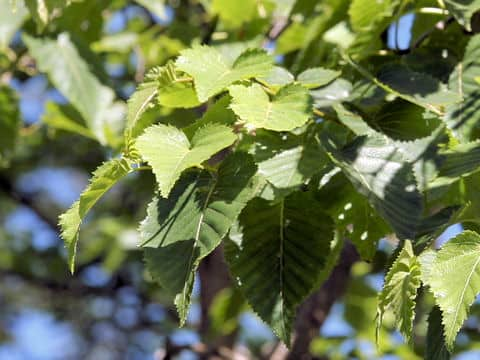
331, 94
378, 170
435, 348
463, 118
453, 276
276, 78
43, 11
161, 85
212, 72
181, 230
316, 77
10, 21
65, 118
226, 308
293, 38
400, 290
122, 43
138, 103
365, 13
423, 154
418, 88
369, 20
235, 13
176, 90
217, 113
352, 120
280, 256
9, 123
287, 161
463, 10
402, 120
102, 180
460, 161
71, 76
169, 152
353, 215
288, 109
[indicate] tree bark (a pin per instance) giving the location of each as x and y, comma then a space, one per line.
214, 277
315, 309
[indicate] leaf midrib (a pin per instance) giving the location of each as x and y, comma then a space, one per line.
197, 236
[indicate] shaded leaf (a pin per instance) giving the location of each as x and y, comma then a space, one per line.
463, 117
419, 88
353, 215
287, 161
463, 10
435, 348
401, 120
280, 256
378, 170
181, 230
217, 113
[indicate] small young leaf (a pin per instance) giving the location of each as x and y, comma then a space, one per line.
102, 180
169, 151
400, 290
138, 103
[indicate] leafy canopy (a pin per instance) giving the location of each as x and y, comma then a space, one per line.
268, 154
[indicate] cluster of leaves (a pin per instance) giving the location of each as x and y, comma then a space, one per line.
348, 140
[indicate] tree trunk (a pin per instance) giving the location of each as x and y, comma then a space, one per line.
315, 309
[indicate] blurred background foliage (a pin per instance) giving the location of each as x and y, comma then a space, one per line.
111, 309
